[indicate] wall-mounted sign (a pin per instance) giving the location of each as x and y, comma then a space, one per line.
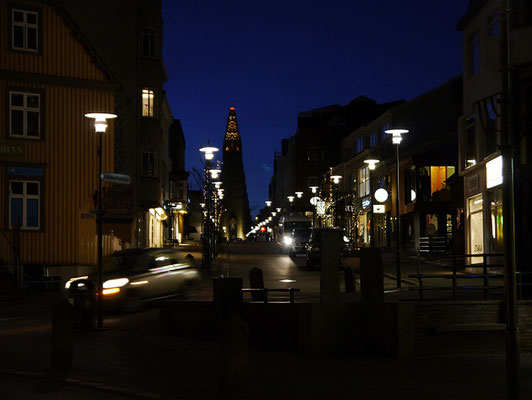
494, 172
25, 171
350, 208
378, 208
366, 203
381, 195
11, 149
116, 178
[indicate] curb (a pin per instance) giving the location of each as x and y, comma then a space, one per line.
92, 385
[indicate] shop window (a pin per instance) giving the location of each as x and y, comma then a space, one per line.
147, 103
24, 115
496, 228
476, 227
24, 30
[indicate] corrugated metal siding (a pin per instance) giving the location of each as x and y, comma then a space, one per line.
61, 54
69, 154
69, 149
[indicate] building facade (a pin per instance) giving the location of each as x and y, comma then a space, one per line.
49, 78
152, 204
484, 129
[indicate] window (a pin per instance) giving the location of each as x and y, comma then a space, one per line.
470, 142
149, 161
24, 30
373, 139
493, 24
363, 182
474, 53
147, 103
410, 185
148, 42
313, 154
359, 145
24, 115
24, 204
383, 130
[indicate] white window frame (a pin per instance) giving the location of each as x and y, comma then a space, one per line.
148, 100
148, 51
363, 182
25, 197
25, 26
24, 108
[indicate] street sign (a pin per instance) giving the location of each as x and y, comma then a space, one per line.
113, 177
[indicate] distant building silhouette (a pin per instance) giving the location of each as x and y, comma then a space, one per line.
236, 219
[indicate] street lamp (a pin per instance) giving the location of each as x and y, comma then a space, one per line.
299, 194
100, 126
371, 166
268, 203
313, 189
209, 155
396, 139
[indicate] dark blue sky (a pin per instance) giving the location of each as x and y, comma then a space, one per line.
273, 59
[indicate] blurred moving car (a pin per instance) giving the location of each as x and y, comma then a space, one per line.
133, 276
313, 246
287, 223
299, 238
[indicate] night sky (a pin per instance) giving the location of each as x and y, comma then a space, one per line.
273, 59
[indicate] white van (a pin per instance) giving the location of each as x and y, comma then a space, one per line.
287, 223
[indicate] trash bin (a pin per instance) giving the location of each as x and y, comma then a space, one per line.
82, 296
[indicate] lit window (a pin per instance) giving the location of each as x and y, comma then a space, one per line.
148, 42
373, 139
24, 30
363, 181
24, 115
24, 204
359, 145
149, 161
474, 53
147, 103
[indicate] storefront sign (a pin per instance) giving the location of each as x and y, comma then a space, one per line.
11, 149
381, 195
113, 177
350, 208
494, 172
366, 203
25, 171
378, 209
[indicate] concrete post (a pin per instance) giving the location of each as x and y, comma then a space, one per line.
330, 265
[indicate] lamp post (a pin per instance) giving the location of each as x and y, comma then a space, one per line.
209, 155
396, 139
100, 126
371, 166
335, 180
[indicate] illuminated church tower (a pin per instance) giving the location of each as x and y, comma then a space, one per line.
236, 219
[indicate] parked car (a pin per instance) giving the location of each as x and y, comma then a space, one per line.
313, 246
133, 276
299, 238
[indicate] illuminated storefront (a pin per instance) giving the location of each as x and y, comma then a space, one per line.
484, 210
155, 228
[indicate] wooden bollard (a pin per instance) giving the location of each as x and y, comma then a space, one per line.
62, 336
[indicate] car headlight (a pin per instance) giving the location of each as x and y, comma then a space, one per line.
287, 240
115, 283
77, 278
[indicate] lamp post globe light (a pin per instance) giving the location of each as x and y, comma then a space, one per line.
371, 166
100, 126
396, 139
209, 155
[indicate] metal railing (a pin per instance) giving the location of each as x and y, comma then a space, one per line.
459, 261
268, 290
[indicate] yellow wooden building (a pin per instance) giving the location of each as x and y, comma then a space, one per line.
49, 78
